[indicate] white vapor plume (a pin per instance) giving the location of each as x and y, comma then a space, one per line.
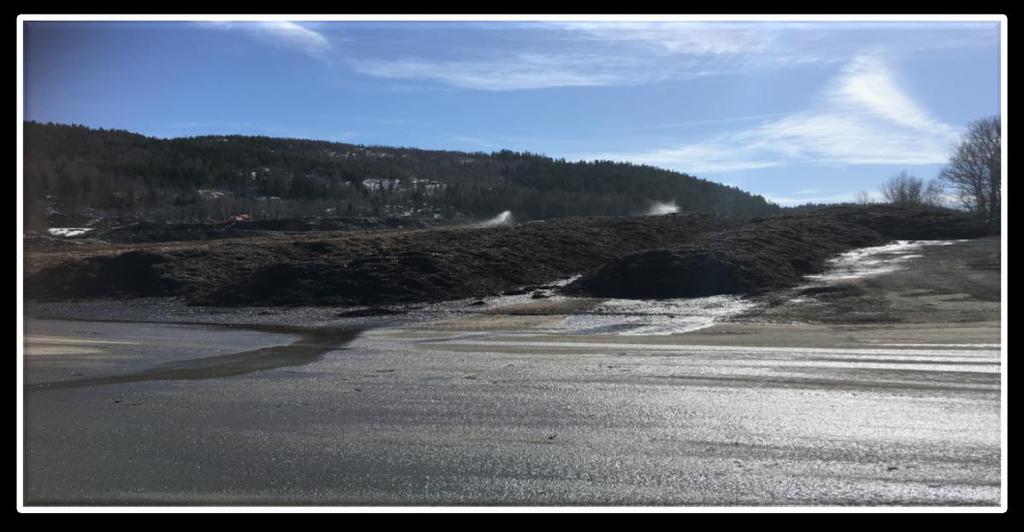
504, 218
659, 208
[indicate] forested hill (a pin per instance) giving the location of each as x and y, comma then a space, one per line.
74, 169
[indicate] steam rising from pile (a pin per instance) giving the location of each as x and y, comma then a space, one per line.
504, 218
658, 208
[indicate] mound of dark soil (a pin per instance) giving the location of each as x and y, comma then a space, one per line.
751, 259
132, 274
903, 223
170, 232
766, 254
154, 232
379, 268
38, 241
378, 279
678, 255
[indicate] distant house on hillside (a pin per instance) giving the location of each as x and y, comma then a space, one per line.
210, 194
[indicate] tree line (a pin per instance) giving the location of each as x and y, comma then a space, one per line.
970, 180
73, 169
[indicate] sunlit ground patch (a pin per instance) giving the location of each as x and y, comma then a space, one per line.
655, 317
865, 262
68, 231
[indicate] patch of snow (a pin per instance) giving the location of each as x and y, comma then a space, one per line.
865, 262
68, 232
614, 316
567, 280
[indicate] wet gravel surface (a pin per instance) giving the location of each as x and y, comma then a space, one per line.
955, 281
522, 401
406, 417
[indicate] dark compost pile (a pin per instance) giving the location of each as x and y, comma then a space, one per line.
367, 268
767, 254
677, 255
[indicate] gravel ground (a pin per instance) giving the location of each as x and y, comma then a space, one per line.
502, 404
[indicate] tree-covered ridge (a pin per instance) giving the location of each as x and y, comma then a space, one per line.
74, 168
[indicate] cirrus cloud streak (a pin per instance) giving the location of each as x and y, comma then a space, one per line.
862, 117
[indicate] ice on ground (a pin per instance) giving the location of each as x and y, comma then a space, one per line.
565, 282
68, 232
655, 317
613, 316
635, 316
875, 260
489, 304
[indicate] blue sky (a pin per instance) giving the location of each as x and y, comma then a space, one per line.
796, 111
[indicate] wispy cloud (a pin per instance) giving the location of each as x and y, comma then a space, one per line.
721, 47
789, 201
596, 54
862, 117
868, 83
690, 123
699, 38
557, 54
787, 43
711, 156
581, 54
296, 36
516, 72
283, 33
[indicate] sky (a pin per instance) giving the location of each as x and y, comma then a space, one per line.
795, 111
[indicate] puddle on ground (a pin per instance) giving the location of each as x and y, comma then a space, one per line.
306, 350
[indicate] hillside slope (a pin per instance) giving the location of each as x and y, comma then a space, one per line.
74, 170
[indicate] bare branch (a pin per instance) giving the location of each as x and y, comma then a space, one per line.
974, 169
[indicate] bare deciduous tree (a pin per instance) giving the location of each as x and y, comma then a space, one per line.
862, 198
905, 189
975, 168
935, 193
